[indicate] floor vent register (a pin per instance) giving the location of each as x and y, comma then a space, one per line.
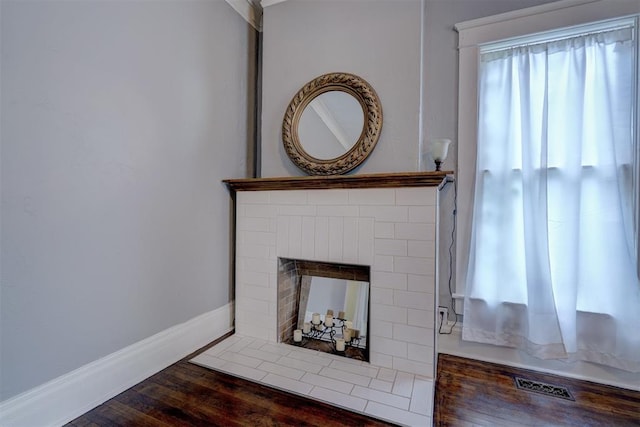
543, 388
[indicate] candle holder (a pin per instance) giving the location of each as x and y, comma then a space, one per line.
320, 331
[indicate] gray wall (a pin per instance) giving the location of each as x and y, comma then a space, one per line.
119, 119
377, 40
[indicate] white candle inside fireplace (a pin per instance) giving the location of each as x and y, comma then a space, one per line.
339, 344
341, 315
346, 334
348, 324
328, 320
297, 335
315, 318
306, 328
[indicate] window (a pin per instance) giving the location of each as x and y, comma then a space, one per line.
553, 209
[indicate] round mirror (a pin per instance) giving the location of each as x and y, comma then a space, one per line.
332, 124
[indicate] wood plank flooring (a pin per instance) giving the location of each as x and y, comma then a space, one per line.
468, 393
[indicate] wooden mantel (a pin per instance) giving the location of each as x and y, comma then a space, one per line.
377, 180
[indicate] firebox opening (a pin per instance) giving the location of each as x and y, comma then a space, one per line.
324, 306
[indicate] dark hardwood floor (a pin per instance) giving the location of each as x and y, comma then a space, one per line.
469, 393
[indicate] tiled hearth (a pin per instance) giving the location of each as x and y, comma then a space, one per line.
387, 394
392, 231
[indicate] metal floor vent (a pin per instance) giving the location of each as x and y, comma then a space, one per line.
543, 388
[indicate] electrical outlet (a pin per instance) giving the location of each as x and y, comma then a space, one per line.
443, 313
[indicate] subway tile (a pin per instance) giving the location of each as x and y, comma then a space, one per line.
288, 197
257, 354
365, 241
261, 211
422, 214
372, 196
300, 364
380, 295
420, 353
287, 384
257, 292
208, 361
380, 385
295, 235
388, 346
383, 263
406, 365
412, 265
384, 230
424, 318
380, 328
330, 383
381, 360
389, 313
337, 211
387, 375
336, 235
416, 196
296, 210
252, 197
391, 247
350, 240
283, 371
396, 415
414, 334
310, 356
421, 283
276, 349
414, 231
396, 401
403, 384
256, 265
422, 397
252, 224
328, 197
308, 237
422, 248
365, 370
282, 242
257, 238
321, 240
385, 213
383, 279
338, 399
345, 376
240, 359
417, 300
253, 251
252, 278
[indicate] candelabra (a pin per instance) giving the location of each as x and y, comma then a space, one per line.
328, 331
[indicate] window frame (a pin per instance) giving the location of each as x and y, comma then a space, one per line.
472, 35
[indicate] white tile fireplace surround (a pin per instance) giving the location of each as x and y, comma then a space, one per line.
384, 221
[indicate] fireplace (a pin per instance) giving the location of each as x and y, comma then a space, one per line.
337, 295
392, 231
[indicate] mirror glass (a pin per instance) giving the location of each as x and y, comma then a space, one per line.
349, 296
330, 125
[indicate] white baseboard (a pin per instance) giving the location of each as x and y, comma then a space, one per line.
65, 398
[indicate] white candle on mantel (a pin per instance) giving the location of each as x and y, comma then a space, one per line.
297, 335
346, 334
306, 328
339, 344
315, 318
328, 320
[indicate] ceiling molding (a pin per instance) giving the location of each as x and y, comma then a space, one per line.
250, 10
265, 3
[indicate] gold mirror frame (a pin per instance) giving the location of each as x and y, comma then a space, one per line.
371, 107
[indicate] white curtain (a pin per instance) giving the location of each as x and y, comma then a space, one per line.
552, 263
